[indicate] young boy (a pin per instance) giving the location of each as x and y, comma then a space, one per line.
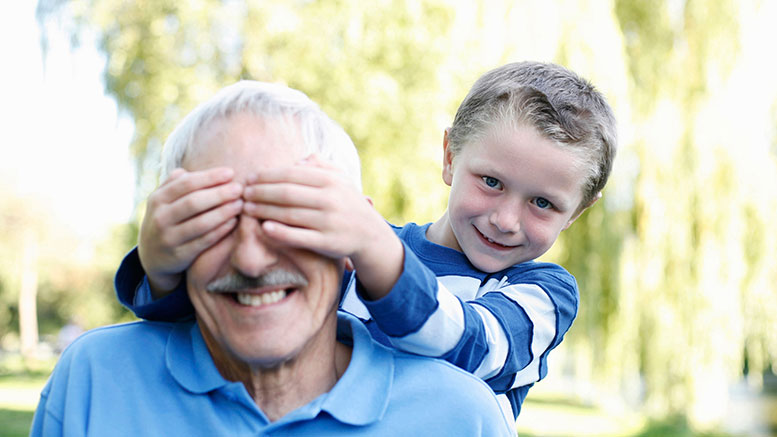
531, 147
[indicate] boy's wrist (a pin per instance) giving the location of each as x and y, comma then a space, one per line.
380, 264
162, 285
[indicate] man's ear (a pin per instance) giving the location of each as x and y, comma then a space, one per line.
447, 160
582, 210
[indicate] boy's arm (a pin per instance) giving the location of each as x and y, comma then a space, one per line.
314, 206
503, 336
134, 292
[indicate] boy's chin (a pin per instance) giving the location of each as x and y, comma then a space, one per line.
490, 264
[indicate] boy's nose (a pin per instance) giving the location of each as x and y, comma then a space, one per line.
507, 218
251, 253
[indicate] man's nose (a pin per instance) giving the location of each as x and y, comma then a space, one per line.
252, 253
506, 217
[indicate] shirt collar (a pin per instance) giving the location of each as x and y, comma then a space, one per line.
189, 362
360, 397
362, 394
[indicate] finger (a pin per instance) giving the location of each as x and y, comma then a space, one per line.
316, 160
200, 201
204, 223
192, 181
196, 246
173, 175
295, 237
286, 194
297, 217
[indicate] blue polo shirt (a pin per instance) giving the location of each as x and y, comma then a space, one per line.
158, 378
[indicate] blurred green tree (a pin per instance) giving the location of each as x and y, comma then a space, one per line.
48, 276
372, 65
687, 268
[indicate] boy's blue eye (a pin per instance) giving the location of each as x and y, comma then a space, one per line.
491, 181
542, 203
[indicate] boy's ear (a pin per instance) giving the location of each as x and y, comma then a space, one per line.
447, 160
582, 210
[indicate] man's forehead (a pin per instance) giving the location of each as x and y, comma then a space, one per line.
246, 143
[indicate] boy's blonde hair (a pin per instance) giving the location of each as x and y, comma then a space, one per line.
561, 105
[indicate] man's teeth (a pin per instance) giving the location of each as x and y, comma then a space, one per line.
256, 300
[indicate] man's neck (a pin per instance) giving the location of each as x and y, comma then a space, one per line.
282, 387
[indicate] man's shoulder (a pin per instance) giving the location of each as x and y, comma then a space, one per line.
443, 391
121, 337
447, 379
409, 370
110, 354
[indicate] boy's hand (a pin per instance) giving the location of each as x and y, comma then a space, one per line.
185, 215
312, 205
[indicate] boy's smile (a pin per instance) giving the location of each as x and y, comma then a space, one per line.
512, 194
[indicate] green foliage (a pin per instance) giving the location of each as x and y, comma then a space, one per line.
71, 285
649, 40
372, 65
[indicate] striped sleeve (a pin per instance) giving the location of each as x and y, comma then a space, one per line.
503, 335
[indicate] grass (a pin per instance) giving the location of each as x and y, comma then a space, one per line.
554, 415
16, 423
546, 418
549, 411
20, 386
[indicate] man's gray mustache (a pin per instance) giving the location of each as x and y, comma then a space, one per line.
234, 282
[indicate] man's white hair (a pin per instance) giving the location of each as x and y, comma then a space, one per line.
273, 102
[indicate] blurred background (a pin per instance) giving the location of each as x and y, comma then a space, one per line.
677, 329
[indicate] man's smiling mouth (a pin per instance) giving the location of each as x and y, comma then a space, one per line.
257, 300
266, 289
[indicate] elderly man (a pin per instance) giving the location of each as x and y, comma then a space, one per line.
268, 353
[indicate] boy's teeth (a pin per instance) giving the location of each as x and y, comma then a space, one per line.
256, 300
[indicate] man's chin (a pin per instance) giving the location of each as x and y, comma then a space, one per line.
266, 359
